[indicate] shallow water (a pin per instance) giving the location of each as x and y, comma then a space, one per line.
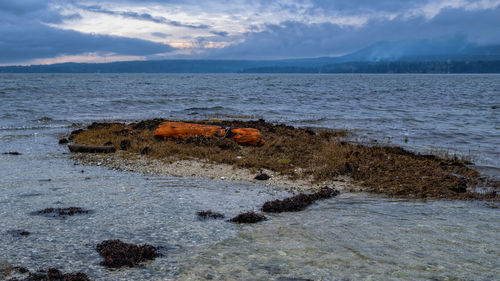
351, 237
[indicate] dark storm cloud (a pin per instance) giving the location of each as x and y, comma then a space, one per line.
39, 41
220, 33
297, 39
142, 16
24, 35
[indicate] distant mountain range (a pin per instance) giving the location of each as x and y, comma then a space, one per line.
417, 56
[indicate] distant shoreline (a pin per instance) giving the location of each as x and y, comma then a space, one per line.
464, 65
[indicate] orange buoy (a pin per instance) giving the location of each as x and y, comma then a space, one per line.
247, 136
181, 130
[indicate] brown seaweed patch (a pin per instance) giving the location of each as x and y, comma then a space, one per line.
248, 217
52, 274
298, 202
118, 254
209, 214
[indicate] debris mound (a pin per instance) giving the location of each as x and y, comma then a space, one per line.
209, 214
248, 217
117, 253
298, 202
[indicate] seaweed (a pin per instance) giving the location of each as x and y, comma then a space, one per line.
61, 212
248, 217
12, 153
209, 214
118, 254
52, 274
298, 202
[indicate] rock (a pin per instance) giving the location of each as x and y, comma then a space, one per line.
262, 177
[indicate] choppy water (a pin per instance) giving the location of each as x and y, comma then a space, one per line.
354, 236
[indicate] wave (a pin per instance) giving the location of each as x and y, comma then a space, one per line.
206, 108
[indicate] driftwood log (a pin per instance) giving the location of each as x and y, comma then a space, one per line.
91, 148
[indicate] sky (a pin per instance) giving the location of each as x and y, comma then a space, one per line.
54, 31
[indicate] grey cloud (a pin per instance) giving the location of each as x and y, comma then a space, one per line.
220, 33
24, 36
39, 41
296, 39
143, 16
161, 34
21, 7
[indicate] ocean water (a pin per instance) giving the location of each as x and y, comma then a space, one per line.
352, 237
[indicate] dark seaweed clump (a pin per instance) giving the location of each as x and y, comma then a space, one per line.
248, 217
12, 153
262, 177
298, 202
210, 215
117, 253
52, 274
18, 232
148, 124
62, 212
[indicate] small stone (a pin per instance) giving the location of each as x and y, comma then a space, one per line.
125, 144
262, 177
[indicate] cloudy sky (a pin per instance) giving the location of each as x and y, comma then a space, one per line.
50, 31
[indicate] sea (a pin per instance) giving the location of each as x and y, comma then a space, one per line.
355, 236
